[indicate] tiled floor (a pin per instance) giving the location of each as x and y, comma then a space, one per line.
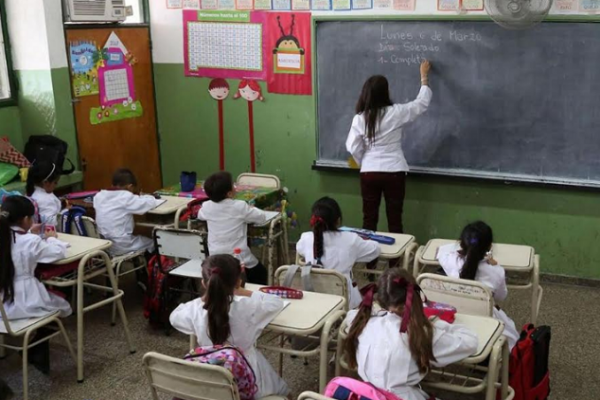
113, 374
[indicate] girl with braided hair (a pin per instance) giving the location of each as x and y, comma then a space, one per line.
332, 249
394, 347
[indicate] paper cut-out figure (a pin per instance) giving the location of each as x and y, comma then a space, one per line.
219, 90
250, 91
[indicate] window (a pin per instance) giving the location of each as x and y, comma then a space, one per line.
138, 12
6, 85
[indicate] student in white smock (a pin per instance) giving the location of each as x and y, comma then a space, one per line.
228, 313
24, 296
115, 209
394, 347
472, 259
333, 249
42, 179
228, 220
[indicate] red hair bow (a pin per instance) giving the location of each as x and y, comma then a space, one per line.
368, 294
215, 271
314, 220
410, 291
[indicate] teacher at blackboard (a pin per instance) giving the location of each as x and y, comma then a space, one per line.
375, 143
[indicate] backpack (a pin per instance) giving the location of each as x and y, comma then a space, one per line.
528, 367
156, 308
234, 360
49, 149
343, 388
72, 217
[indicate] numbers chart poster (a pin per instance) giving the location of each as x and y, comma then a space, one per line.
289, 60
224, 44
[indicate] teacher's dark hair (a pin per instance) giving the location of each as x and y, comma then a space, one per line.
374, 97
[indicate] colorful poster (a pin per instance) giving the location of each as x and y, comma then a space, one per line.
301, 5
324, 5
86, 58
282, 5
404, 5
224, 44
362, 4
262, 4
244, 4
227, 4
210, 4
289, 56
448, 5
565, 5
382, 4
341, 5
472, 5
191, 4
174, 4
590, 6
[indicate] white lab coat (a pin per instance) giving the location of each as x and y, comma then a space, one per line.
385, 154
341, 250
384, 358
32, 299
49, 205
492, 276
114, 216
248, 316
228, 227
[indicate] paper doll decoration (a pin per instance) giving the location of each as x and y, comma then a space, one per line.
250, 91
288, 55
219, 90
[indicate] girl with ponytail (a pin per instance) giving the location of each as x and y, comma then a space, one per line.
472, 259
230, 314
332, 249
394, 347
42, 179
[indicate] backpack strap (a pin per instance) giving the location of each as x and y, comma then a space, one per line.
306, 281
69, 170
289, 275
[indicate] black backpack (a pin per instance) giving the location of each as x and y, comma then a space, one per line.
49, 149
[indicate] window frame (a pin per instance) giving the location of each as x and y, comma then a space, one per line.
12, 99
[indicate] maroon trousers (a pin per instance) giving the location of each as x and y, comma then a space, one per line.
392, 186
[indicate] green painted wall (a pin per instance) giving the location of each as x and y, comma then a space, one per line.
10, 125
562, 224
45, 105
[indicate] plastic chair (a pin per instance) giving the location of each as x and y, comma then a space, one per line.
118, 261
190, 381
323, 281
25, 328
276, 230
469, 297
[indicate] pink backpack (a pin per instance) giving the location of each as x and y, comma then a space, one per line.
233, 359
342, 388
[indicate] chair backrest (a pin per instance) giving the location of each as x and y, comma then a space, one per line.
188, 381
269, 181
469, 297
180, 243
90, 226
323, 281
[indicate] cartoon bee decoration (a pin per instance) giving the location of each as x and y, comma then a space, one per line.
287, 54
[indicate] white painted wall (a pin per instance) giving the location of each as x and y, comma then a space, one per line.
167, 26
28, 38
55, 33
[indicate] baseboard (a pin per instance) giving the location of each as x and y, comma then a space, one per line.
570, 280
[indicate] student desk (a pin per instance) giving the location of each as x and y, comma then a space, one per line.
491, 344
513, 258
404, 246
166, 214
315, 314
93, 262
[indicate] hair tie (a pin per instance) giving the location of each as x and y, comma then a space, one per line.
215, 271
473, 241
411, 288
368, 294
51, 172
315, 219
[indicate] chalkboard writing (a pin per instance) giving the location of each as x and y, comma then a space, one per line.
512, 104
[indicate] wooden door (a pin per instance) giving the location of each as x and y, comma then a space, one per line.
127, 143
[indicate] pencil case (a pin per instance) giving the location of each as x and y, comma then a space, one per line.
443, 311
283, 292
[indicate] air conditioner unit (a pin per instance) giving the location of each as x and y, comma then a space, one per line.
95, 10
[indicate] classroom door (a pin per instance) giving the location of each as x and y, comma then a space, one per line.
125, 82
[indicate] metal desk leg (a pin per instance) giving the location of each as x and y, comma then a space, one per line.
80, 276
407, 253
416, 265
493, 370
325, 347
536, 296
505, 363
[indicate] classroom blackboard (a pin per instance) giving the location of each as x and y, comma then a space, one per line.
513, 105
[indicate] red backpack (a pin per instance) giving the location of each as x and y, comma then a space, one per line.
156, 301
529, 374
